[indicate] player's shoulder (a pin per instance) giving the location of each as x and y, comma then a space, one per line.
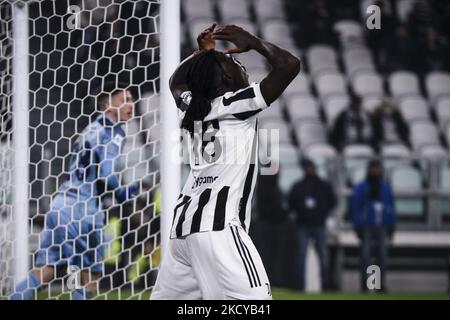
230, 97
241, 95
96, 131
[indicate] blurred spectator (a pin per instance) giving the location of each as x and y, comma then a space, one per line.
352, 126
419, 19
431, 43
271, 224
440, 16
448, 273
389, 127
312, 199
375, 37
344, 9
374, 219
434, 50
314, 20
398, 51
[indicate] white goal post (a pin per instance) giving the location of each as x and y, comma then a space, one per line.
20, 141
170, 57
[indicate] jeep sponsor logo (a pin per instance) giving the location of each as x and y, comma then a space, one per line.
198, 181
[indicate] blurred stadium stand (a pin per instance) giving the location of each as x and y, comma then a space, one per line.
407, 60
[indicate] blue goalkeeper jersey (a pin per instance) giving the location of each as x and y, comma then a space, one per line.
94, 170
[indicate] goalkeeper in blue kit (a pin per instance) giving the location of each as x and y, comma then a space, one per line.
73, 232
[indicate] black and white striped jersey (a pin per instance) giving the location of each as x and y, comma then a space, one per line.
223, 164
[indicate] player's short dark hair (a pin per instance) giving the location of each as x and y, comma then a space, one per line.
109, 88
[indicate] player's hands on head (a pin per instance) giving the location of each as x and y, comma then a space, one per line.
242, 39
205, 39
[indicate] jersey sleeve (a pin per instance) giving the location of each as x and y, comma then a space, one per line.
241, 104
183, 103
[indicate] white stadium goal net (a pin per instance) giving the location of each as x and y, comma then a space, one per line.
55, 56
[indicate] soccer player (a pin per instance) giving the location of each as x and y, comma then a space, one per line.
73, 232
210, 255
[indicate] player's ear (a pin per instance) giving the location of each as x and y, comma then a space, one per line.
107, 102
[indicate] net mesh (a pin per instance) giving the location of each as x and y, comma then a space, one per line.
75, 47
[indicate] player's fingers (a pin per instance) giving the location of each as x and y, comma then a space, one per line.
231, 35
207, 31
231, 28
222, 37
233, 50
212, 27
202, 35
220, 34
204, 32
223, 30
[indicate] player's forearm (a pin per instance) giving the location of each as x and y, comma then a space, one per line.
177, 82
285, 68
277, 57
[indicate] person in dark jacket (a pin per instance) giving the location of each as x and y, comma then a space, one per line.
389, 127
374, 218
271, 228
312, 199
352, 126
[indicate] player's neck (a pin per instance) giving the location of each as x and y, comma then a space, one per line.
110, 120
111, 117
223, 90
